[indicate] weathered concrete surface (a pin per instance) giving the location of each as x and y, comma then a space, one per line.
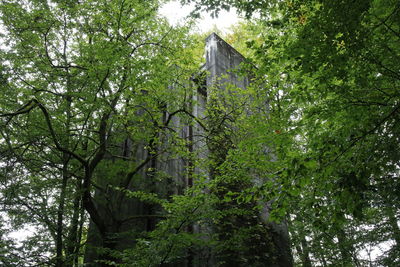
221, 62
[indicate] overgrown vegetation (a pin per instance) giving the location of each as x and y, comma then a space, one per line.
314, 141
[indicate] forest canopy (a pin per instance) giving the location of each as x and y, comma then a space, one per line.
99, 101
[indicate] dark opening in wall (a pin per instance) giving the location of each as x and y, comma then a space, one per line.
200, 82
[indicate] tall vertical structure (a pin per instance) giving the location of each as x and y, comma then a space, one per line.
221, 61
223, 66
127, 216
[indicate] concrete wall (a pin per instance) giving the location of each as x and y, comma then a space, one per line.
222, 62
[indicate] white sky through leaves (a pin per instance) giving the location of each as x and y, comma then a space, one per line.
176, 13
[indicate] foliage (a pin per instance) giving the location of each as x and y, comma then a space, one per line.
331, 73
314, 141
75, 78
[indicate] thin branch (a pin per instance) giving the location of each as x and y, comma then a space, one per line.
377, 126
143, 216
177, 230
27, 108
24, 109
125, 183
187, 113
53, 135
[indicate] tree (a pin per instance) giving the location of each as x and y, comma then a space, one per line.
323, 155
331, 71
79, 78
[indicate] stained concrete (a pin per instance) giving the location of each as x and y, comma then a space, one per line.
222, 63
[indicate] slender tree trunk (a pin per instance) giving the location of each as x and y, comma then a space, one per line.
65, 156
63, 191
60, 213
79, 233
73, 242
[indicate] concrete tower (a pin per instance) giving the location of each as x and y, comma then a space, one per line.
127, 216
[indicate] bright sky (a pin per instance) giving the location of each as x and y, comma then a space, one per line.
176, 14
